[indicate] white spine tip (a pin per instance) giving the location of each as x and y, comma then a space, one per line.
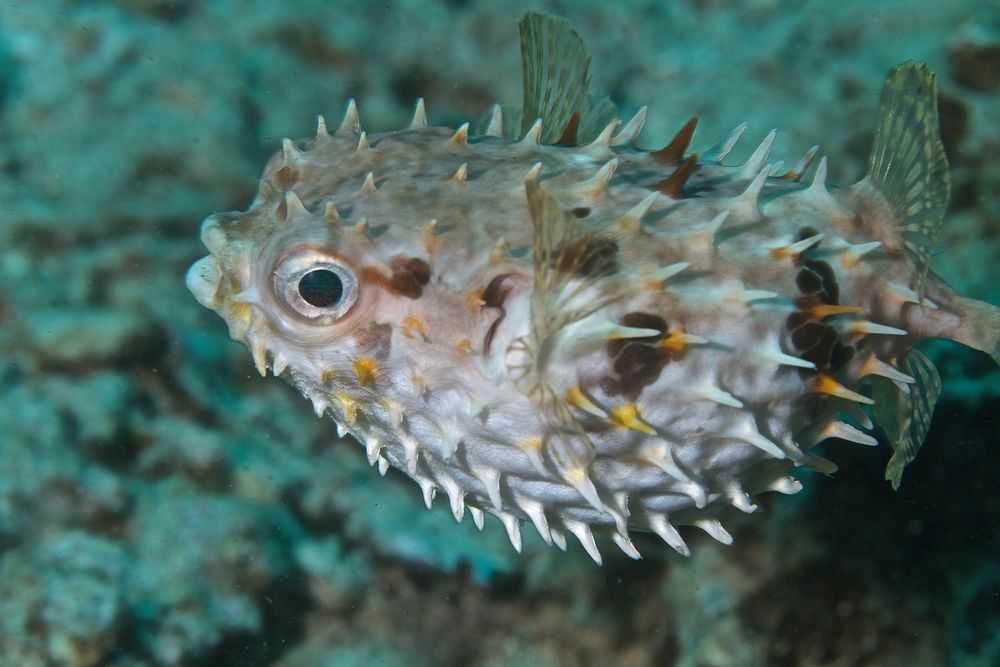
363, 144
495, 128
322, 133
373, 449
666, 531
630, 132
602, 142
533, 173
478, 518
625, 544
715, 530
368, 186
461, 135
724, 147
513, 528
351, 122
461, 174
428, 490
585, 536
533, 135
419, 115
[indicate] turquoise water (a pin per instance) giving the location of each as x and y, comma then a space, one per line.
160, 504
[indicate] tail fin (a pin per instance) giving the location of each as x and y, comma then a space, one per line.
979, 327
907, 163
909, 169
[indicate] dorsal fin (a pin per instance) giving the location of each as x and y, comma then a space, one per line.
905, 415
556, 69
907, 162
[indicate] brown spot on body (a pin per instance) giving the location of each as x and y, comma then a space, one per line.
375, 339
588, 257
829, 291
409, 276
412, 326
813, 339
494, 296
637, 362
808, 282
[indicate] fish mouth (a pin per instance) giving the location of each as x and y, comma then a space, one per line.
202, 281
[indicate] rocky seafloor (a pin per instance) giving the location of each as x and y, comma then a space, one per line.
162, 505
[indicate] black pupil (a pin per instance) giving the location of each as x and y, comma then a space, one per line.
321, 288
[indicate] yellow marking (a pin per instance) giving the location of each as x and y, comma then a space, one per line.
532, 444
781, 254
349, 407
474, 300
676, 340
412, 326
652, 285
428, 237
327, 375
241, 316
364, 368
500, 253
629, 224
361, 229
869, 367
795, 250
463, 346
578, 399
825, 310
824, 384
627, 416
575, 476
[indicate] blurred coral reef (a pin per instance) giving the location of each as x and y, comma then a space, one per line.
162, 505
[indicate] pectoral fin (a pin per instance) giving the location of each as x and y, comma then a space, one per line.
904, 414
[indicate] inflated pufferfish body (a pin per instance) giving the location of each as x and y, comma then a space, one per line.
549, 324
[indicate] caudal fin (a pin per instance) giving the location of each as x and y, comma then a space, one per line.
979, 327
907, 164
908, 170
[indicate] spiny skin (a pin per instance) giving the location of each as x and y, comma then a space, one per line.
752, 308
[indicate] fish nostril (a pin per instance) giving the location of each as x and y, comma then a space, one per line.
321, 288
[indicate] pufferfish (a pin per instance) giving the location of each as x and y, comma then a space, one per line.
546, 323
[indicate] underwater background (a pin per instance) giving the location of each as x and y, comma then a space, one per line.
160, 504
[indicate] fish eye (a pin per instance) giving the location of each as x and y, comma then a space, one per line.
315, 285
321, 288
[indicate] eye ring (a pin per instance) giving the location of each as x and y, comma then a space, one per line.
315, 286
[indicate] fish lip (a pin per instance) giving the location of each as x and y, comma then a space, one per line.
202, 280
